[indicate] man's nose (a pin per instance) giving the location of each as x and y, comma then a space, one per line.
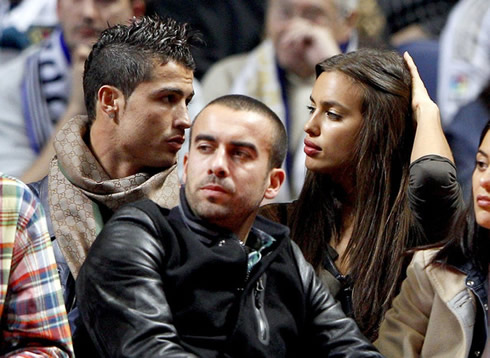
219, 164
182, 119
88, 9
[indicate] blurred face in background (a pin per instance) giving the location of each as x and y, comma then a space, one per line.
82, 21
285, 18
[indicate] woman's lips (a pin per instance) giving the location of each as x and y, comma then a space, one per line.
483, 201
311, 148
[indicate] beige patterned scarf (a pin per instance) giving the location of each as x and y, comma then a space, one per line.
78, 184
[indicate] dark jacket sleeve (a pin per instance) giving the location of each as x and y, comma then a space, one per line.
435, 196
331, 332
121, 294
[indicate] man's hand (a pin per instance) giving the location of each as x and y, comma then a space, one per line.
76, 102
308, 44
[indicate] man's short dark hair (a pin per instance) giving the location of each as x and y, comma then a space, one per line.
279, 140
124, 55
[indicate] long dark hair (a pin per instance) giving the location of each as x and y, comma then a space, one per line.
468, 240
380, 172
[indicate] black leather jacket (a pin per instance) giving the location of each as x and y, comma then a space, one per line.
163, 283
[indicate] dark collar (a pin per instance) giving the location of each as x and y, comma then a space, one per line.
204, 228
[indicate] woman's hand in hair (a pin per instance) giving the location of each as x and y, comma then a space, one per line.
429, 136
420, 96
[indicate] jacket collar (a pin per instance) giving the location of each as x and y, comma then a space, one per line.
461, 263
476, 280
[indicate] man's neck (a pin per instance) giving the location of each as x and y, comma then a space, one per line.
103, 150
241, 231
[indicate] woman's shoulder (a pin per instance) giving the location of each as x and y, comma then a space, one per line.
424, 257
444, 278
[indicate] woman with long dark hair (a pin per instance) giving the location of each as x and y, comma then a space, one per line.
442, 309
380, 180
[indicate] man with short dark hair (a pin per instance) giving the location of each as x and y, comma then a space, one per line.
210, 278
138, 81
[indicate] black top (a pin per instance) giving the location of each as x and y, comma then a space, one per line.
435, 199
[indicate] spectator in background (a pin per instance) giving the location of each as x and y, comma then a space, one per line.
464, 78
464, 65
414, 26
280, 71
228, 27
42, 88
24, 22
409, 20
32, 313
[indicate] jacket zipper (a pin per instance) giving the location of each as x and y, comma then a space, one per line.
263, 323
247, 274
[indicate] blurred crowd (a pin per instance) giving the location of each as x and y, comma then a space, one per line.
448, 40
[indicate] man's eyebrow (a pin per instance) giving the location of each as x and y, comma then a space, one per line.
174, 90
206, 137
236, 143
244, 144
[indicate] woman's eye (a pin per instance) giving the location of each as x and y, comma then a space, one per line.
481, 165
334, 116
311, 109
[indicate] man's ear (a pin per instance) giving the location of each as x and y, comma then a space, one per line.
276, 179
111, 101
184, 173
351, 19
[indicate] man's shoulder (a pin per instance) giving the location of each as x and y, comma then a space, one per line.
228, 64
11, 118
13, 188
15, 66
143, 213
146, 206
274, 228
235, 63
224, 72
